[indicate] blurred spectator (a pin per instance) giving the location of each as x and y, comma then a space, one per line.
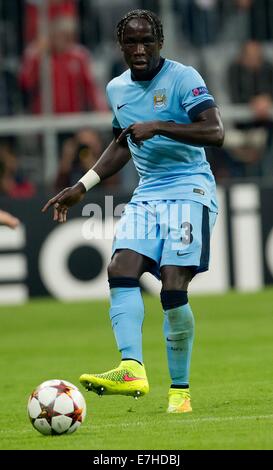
73, 86
235, 20
9, 96
98, 18
118, 65
153, 5
243, 4
11, 28
5, 217
251, 82
200, 20
79, 154
56, 9
224, 163
10, 51
261, 20
258, 15
12, 181
250, 74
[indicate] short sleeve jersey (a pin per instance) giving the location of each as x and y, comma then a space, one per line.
168, 169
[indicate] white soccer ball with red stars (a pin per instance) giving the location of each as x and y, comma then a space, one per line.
56, 407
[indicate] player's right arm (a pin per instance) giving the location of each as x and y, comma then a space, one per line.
111, 161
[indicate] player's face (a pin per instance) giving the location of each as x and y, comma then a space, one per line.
140, 47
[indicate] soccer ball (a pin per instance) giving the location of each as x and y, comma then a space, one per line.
56, 407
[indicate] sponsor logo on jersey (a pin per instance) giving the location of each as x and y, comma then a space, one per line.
199, 191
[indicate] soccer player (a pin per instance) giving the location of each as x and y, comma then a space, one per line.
163, 117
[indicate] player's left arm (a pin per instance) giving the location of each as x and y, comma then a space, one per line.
206, 129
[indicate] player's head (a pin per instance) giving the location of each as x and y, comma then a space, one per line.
140, 34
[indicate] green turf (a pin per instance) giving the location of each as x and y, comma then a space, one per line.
231, 382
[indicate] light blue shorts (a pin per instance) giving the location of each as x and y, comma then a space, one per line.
171, 232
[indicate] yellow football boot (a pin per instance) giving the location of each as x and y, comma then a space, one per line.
129, 378
179, 400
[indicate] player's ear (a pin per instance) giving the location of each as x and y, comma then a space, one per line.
160, 43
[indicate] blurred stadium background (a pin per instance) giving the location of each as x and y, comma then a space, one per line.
56, 57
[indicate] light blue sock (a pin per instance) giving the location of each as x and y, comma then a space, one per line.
127, 315
179, 334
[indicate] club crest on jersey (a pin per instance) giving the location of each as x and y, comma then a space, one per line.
160, 98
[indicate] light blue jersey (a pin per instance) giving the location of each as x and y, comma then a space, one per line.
168, 169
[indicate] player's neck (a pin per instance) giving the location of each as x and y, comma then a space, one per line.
150, 75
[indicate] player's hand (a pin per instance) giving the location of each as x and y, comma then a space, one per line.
65, 199
139, 131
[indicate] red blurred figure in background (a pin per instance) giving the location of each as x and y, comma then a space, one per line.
56, 8
73, 86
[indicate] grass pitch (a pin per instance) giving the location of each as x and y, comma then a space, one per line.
231, 380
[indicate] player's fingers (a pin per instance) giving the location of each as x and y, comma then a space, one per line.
56, 212
123, 134
120, 137
59, 198
48, 204
65, 215
63, 200
60, 217
62, 213
136, 140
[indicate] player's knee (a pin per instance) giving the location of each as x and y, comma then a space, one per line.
115, 269
171, 299
175, 278
120, 266
126, 263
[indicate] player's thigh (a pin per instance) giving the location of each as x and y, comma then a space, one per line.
176, 277
128, 263
136, 240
